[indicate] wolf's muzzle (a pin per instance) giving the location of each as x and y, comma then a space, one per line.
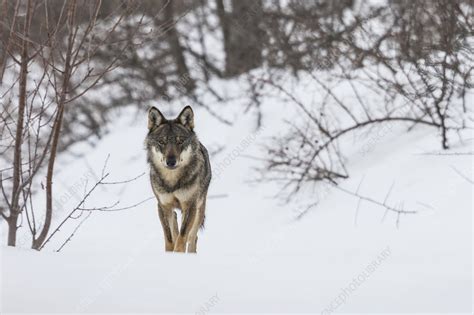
171, 161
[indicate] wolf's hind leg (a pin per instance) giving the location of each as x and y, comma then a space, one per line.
164, 215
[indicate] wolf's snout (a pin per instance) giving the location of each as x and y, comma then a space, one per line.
171, 161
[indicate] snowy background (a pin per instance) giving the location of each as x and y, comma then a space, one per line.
258, 252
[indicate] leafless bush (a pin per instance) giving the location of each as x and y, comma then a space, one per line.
409, 63
44, 77
81, 212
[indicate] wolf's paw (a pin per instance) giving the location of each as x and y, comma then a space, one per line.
179, 249
180, 246
169, 247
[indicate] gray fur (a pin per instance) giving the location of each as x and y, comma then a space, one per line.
185, 185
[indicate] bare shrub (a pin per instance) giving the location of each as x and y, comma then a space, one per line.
409, 63
45, 73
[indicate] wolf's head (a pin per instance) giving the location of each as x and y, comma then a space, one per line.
170, 143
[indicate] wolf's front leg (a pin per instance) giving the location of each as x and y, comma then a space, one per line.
169, 246
192, 244
188, 220
180, 245
173, 224
165, 215
198, 222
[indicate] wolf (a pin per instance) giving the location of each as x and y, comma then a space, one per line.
180, 174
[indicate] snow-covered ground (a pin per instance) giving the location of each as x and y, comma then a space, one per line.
253, 255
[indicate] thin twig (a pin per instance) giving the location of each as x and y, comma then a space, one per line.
73, 232
447, 153
112, 209
376, 202
124, 181
218, 196
462, 175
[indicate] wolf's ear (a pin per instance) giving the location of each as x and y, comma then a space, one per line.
186, 117
155, 117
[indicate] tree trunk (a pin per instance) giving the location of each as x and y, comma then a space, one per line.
242, 35
12, 228
5, 37
185, 81
16, 189
57, 128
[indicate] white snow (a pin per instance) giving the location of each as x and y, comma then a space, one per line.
253, 256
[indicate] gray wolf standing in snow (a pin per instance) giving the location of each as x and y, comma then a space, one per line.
180, 174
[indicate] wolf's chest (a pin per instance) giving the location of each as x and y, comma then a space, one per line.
176, 199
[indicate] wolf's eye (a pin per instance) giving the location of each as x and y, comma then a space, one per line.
161, 141
179, 140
